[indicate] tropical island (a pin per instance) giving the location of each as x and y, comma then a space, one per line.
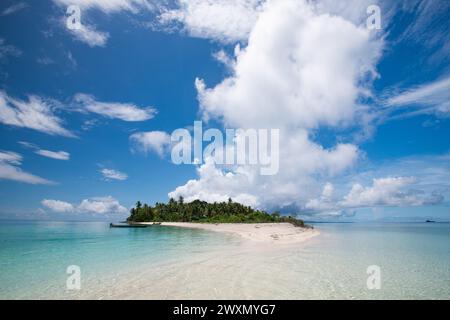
229, 217
203, 212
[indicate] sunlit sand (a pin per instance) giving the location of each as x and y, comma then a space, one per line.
275, 233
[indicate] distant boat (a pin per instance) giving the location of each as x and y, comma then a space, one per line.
127, 225
430, 221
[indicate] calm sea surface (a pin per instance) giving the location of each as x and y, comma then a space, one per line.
166, 262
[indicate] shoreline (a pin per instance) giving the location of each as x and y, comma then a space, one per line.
273, 233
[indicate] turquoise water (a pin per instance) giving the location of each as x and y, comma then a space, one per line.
166, 262
34, 256
414, 260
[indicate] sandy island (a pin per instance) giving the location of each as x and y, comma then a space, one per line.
277, 233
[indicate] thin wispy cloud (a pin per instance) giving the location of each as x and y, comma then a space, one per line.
8, 50
57, 155
113, 110
36, 114
110, 6
10, 170
14, 8
10, 157
428, 27
428, 98
73, 62
111, 174
45, 61
89, 35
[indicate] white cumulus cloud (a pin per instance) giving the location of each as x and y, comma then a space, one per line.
385, 192
96, 205
101, 205
57, 205
302, 69
222, 20
215, 185
388, 191
151, 141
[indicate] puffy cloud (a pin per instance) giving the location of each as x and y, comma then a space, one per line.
325, 202
222, 20
302, 69
96, 205
300, 160
354, 10
57, 205
9, 169
224, 58
101, 205
215, 185
389, 191
36, 114
113, 110
110, 174
151, 141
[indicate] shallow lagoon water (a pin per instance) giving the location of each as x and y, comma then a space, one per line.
166, 262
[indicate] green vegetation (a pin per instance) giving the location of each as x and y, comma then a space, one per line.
204, 212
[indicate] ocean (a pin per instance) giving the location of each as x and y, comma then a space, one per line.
412, 261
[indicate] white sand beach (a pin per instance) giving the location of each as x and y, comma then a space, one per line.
275, 233
245, 268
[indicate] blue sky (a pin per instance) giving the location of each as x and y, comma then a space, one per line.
384, 113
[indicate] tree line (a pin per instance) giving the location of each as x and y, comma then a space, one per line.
201, 211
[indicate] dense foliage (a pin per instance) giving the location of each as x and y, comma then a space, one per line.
201, 211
